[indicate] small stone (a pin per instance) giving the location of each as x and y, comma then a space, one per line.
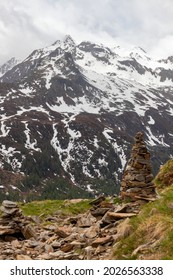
9, 211
92, 232
28, 232
77, 244
99, 211
102, 241
139, 177
57, 255
71, 256
44, 256
6, 230
63, 232
67, 247
56, 244
97, 201
23, 257
88, 251
100, 249
134, 190
86, 220
48, 248
15, 244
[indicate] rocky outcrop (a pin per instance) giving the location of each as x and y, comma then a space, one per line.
137, 178
14, 223
85, 236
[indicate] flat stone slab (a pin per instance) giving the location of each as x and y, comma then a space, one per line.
6, 230
9, 211
9, 204
120, 215
111, 217
102, 241
97, 200
63, 232
86, 220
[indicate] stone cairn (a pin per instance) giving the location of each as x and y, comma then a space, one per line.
13, 222
137, 178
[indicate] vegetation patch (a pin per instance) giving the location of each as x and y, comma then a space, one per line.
53, 207
152, 236
165, 176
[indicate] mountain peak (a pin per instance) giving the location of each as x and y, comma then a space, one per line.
8, 65
67, 43
68, 40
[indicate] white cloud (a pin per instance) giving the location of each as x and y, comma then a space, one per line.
164, 46
27, 25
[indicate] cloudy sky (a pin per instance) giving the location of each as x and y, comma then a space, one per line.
26, 25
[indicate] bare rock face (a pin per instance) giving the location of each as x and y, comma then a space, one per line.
137, 178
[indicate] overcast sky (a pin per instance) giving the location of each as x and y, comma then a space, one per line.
26, 25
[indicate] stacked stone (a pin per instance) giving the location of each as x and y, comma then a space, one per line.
13, 222
137, 178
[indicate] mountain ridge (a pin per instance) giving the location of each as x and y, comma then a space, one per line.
8, 65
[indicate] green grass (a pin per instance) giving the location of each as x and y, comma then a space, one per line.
155, 222
50, 207
167, 246
165, 176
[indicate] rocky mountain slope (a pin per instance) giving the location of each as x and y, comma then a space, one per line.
8, 65
69, 113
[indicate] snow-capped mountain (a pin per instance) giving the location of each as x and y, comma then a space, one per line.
8, 65
71, 111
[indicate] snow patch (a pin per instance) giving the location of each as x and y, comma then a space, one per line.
9, 156
4, 129
118, 149
30, 145
153, 140
151, 121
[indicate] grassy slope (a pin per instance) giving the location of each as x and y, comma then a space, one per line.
152, 229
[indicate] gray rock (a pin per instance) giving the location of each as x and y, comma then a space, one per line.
9, 211
86, 220
9, 204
